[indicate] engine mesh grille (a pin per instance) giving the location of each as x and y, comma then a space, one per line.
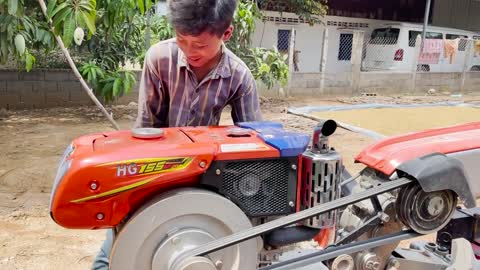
259, 187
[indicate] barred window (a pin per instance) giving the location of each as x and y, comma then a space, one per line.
345, 48
283, 40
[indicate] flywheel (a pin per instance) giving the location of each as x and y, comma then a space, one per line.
425, 212
159, 232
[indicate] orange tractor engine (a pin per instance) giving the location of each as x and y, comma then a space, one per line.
105, 180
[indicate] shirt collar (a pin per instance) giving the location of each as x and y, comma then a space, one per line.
222, 69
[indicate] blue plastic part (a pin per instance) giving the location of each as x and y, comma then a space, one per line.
290, 144
260, 125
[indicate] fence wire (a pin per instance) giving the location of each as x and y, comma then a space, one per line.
383, 60
380, 53
388, 53
447, 63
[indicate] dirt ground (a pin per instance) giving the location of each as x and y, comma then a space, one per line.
31, 143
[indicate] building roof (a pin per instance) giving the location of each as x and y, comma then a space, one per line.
429, 27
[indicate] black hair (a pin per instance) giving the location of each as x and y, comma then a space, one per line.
193, 17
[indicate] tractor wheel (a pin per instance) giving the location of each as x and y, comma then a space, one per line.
158, 233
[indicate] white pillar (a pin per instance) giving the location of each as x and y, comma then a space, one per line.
416, 55
357, 49
323, 59
466, 63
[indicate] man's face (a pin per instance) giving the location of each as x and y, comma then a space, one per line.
202, 49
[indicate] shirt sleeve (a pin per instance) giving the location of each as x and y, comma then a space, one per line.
245, 104
152, 110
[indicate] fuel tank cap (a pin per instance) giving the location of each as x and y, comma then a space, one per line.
148, 133
238, 132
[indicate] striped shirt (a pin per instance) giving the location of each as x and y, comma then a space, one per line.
171, 96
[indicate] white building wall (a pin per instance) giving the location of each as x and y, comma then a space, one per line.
309, 39
161, 8
265, 35
333, 65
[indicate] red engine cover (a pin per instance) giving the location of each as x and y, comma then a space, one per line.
113, 173
387, 154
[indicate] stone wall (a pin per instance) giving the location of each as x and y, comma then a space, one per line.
43, 89
53, 88
317, 84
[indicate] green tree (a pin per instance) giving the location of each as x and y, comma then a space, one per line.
309, 10
108, 34
267, 65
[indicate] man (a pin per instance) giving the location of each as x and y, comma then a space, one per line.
188, 81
